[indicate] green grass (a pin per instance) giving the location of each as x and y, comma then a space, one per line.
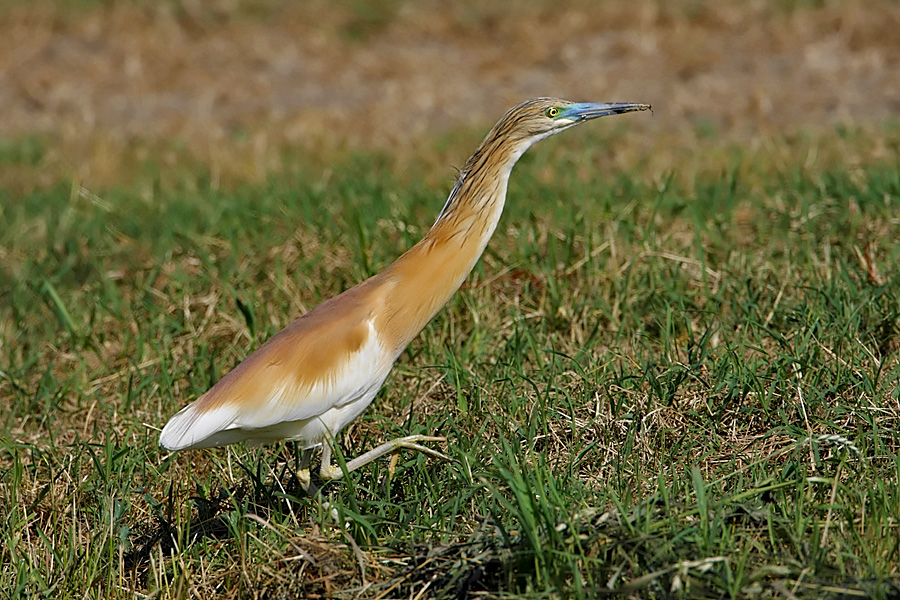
654, 388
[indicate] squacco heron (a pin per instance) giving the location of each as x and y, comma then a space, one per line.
319, 373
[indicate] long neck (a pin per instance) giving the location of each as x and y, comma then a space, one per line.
425, 277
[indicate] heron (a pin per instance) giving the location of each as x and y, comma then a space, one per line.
318, 374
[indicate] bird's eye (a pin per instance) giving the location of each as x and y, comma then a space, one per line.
552, 112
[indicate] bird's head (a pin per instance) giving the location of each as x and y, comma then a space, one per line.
538, 118
515, 132
542, 117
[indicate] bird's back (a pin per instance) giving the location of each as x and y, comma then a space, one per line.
330, 357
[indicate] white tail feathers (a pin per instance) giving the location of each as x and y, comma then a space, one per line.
191, 428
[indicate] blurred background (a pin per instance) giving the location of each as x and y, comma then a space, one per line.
91, 89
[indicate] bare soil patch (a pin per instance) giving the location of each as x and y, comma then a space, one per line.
322, 73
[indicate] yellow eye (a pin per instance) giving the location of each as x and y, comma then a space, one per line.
552, 112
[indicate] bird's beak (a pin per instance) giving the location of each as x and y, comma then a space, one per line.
584, 111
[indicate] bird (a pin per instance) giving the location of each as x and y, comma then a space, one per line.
318, 374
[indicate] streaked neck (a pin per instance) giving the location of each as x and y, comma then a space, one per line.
427, 276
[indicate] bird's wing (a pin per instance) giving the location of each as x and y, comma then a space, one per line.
328, 358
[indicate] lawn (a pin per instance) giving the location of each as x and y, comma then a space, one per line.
656, 383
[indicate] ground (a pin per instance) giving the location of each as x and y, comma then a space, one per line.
237, 82
674, 373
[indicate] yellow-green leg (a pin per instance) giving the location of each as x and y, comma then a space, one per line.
330, 472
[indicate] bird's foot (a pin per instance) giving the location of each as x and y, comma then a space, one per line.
331, 472
305, 480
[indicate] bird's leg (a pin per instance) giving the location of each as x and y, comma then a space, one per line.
330, 472
303, 473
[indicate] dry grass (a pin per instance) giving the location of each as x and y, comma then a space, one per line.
231, 86
674, 372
